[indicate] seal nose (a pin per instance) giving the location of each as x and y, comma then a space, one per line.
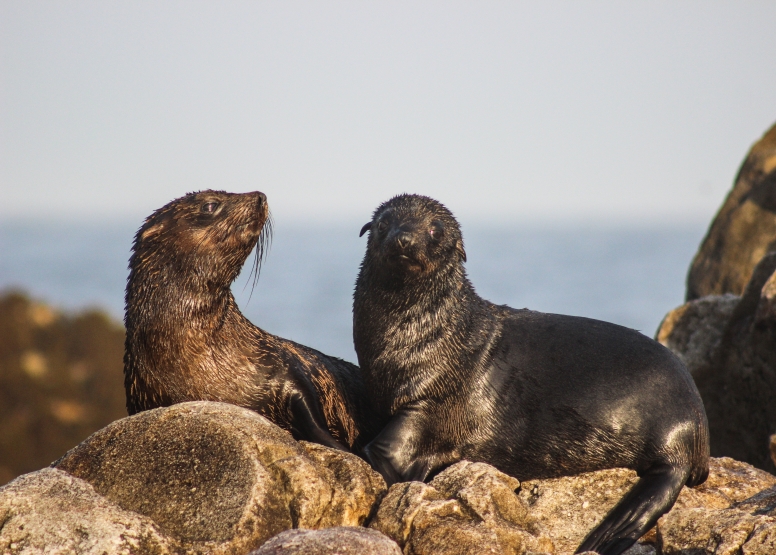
261, 198
404, 239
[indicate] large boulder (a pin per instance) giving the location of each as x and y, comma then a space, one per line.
747, 527
743, 230
469, 508
330, 541
52, 512
566, 509
222, 479
474, 508
729, 345
694, 330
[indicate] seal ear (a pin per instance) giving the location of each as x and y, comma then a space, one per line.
459, 248
366, 228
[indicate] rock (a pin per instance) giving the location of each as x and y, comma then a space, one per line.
566, 509
731, 511
748, 527
222, 478
731, 356
51, 512
717, 532
773, 449
469, 508
743, 230
729, 482
330, 541
693, 331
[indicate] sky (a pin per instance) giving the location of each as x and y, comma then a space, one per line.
508, 112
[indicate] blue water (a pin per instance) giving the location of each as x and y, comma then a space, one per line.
627, 275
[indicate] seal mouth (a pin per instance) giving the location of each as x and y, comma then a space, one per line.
407, 262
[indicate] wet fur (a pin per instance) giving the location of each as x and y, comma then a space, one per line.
187, 339
536, 395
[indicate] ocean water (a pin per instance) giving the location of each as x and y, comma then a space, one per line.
630, 275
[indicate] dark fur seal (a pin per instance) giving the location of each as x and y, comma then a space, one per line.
187, 340
536, 395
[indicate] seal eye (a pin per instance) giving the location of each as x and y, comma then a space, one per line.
436, 231
210, 207
381, 225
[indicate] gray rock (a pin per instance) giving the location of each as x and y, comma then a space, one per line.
694, 330
731, 356
743, 230
222, 478
51, 512
469, 508
330, 541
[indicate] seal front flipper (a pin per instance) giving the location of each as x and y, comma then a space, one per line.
652, 496
306, 423
394, 452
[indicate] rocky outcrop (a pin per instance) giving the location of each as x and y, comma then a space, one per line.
729, 345
469, 508
743, 230
746, 527
61, 378
567, 509
50, 511
694, 330
207, 477
331, 541
474, 508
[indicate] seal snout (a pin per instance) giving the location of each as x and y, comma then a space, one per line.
404, 239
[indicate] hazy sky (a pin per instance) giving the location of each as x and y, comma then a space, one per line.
505, 111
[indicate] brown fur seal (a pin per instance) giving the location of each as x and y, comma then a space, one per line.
187, 340
536, 395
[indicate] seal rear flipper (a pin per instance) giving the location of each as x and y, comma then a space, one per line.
652, 496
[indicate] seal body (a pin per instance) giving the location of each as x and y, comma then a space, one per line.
187, 340
536, 395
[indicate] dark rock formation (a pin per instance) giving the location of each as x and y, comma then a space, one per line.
61, 378
331, 541
743, 230
221, 478
729, 345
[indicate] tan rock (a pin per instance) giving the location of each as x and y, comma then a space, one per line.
469, 508
715, 532
50, 511
566, 509
330, 541
743, 230
773, 448
222, 478
729, 482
